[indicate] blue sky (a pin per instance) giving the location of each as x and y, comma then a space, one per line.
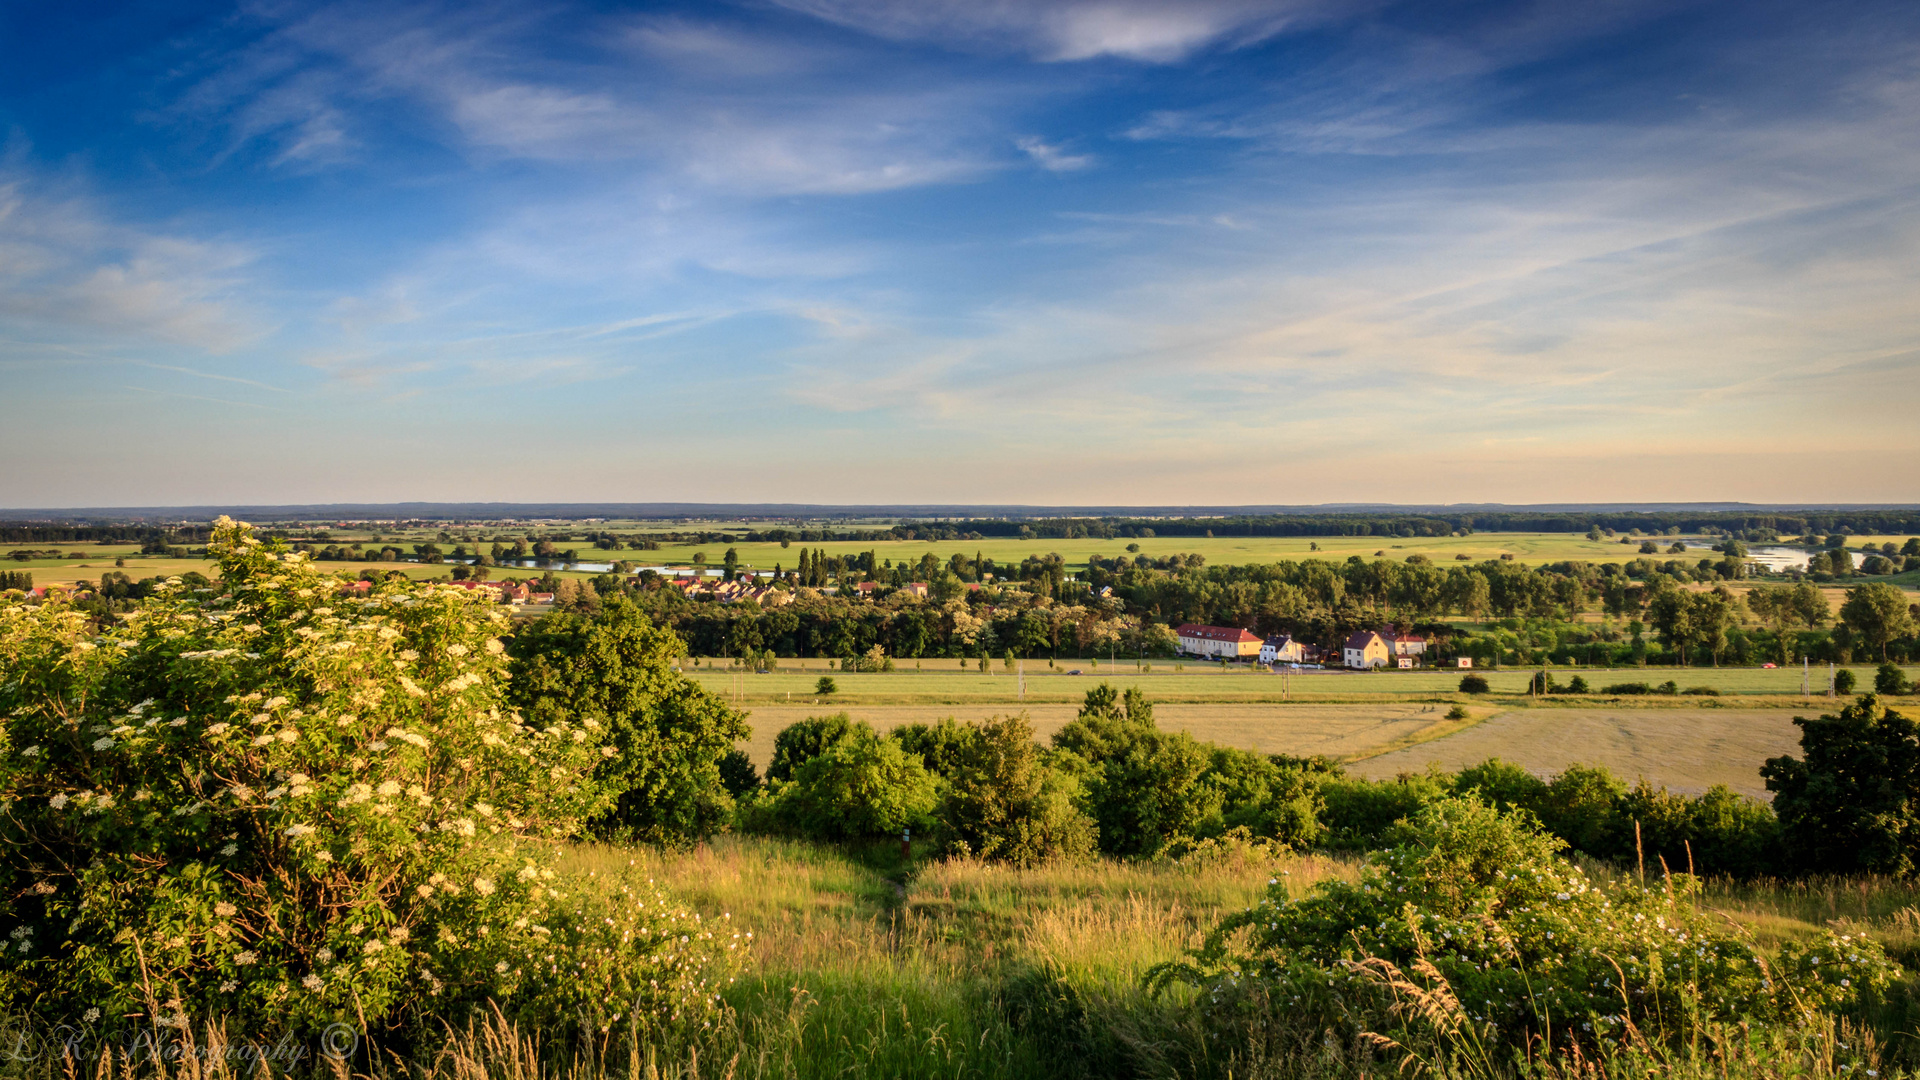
1098, 251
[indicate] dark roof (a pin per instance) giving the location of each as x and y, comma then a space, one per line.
1361, 639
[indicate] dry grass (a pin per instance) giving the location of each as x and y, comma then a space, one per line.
1685, 749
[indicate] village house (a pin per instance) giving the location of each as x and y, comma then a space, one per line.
1282, 650
1230, 642
1408, 644
1365, 649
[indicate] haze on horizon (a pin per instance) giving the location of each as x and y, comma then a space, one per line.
960, 251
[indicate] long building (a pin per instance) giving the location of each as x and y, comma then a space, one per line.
1218, 641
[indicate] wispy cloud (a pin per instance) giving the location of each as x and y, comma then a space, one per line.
1052, 158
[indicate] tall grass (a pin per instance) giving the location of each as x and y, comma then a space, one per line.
865, 965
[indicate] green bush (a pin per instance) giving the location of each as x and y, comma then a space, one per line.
1578, 685
1701, 691
1890, 681
1141, 782
1844, 681
1509, 942
1627, 689
281, 806
1003, 802
1458, 712
1474, 684
1851, 802
860, 787
826, 686
805, 740
940, 747
737, 774
1251, 792
612, 673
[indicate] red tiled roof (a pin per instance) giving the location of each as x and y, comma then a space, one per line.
1215, 633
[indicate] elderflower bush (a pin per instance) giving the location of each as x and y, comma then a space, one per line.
278, 804
1485, 909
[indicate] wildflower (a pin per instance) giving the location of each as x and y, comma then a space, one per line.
230, 849
91, 1015
31, 751
501, 967
300, 830
103, 743
388, 788
228, 986
456, 650
313, 983
225, 910
245, 957
483, 886
216, 729
323, 956
324, 856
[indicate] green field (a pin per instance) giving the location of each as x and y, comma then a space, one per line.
943, 682
1531, 548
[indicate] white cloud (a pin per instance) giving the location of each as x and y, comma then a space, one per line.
1064, 30
1052, 158
64, 263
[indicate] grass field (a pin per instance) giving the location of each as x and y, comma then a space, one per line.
1685, 750
1531, 548
942, 682
865, 965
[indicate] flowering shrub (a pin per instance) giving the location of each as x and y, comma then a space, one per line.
270, 801
1526, 945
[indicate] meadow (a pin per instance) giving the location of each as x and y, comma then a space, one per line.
865, 964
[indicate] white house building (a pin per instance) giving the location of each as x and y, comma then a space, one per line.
1365, 649
1215, 642
1282, 650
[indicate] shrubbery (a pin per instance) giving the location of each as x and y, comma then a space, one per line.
274, 804
856, 786
1475, 913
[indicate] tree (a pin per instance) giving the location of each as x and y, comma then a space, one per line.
1851, 802
826, 687
1005, 803
613, 672
211, 799
1890, 681
1141, 781
1474, 684
860, 787
804, 740
1878, 613
1844, 682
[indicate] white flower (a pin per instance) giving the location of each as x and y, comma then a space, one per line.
91, 1015
389, 788
456, 650
323, 956
501, 967
225, 910
230, 849
215, 729
228, 986
103, 744
324, 856
483, 886
288, 734
300, 830
313, 983
262, 740
245, 957
31, 751
373, 946
495, 646
58, 802
424, 891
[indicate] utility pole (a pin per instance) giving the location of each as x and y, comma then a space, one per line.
1021, 667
